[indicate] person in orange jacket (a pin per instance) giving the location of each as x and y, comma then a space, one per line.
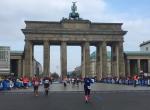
25, 81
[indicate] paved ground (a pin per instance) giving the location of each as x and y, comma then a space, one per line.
104, 97
75, 101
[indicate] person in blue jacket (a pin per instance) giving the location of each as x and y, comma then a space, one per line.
6, 84
87, 88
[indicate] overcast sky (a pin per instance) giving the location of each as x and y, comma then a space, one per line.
133, 13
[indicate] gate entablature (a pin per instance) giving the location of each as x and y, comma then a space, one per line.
66, 24
73, 30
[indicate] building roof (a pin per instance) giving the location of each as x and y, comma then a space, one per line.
145, 43
137, 53
4, 47
16, 52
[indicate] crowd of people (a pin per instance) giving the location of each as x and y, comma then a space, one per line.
12, 82
9, 82
73, 81
134, 80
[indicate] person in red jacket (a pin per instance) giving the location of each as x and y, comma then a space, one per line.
135, 78
25, 82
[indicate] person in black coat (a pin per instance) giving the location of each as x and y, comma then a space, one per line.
87, 88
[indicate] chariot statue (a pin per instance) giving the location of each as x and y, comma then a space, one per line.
74, 14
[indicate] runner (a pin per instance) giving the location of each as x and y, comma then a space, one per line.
36, 83
87, 88
47, 82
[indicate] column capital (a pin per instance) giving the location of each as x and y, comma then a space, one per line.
46, 41
128, 60
120, 44
104, 43
28, 41
98, 44
63, 42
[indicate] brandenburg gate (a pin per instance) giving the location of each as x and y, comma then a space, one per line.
77, 32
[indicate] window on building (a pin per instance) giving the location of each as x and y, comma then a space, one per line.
146, 48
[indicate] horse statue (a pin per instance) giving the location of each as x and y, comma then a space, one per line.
74, 14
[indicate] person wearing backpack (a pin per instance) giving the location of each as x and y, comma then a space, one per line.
46, 81
87, 88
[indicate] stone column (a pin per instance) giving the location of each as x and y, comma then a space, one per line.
33, 62
46, 58
114, 60
87, 59
139, 65
83, 61
34, 67
23, 67
63, 59
104, 59
128, 66
117, 61
28, 58
19, 68
148, 65
99, 61
121, 59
